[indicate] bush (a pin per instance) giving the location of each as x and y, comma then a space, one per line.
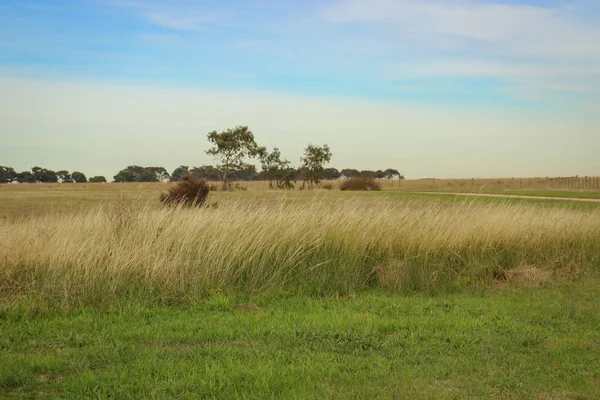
327, 186
187, 192
360, 183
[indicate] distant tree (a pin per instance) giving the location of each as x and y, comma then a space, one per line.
135, 170
161, 174
38, 173
97, 179
25, 177
79, 177
350, 173
50, 177
248, 173
206, 172
179, 173
147, 176
315, 157
331, 173
367, 173
124, 176
44, 175
277, 169
232, 147
392, 174
379, 174
64, 176
7, 174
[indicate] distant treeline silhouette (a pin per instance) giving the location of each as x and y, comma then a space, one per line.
136, 173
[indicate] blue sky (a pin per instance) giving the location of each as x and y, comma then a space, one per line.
534, 62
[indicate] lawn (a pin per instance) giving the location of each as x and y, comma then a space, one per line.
513, 343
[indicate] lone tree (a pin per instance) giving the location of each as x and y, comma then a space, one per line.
278, 170
315, 157
232, 147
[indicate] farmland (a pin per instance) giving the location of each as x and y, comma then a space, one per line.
296, 294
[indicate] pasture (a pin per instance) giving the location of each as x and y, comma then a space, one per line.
296, 294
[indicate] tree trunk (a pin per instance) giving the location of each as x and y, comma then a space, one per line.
225, 179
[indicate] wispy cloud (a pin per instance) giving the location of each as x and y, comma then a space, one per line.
529, 48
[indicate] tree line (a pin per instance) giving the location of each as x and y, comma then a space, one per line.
44, 175
232, 149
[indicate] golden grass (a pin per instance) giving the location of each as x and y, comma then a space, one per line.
261, 245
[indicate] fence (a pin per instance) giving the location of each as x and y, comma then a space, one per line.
586, 183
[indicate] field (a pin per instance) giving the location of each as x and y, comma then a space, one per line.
299, 294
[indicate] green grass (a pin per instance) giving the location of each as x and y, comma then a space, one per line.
518, 343
551, 193
453, 198
518, 192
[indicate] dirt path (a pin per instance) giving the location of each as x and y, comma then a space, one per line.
515, 196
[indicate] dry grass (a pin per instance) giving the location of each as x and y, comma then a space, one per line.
111, 253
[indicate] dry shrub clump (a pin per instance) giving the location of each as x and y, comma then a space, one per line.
360, 183
188, 192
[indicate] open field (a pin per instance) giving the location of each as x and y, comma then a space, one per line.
299, 294
28, 200
524, 343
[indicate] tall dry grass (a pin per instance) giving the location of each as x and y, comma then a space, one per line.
116, 252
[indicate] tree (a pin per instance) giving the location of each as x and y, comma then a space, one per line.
350, 173
49, 176
147, 176
277, 169
79, 177
367, 174
392, 174
25, 177
135, 170
64, 176
124, 176
206, 172
38, 173
179, 173
314, 159
160, 172
331, 173
7, 174
248, 173
232, 147
97, 179
44, 175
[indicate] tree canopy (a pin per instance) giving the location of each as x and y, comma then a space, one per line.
313, 161
232, 147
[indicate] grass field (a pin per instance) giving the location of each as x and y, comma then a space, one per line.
302, 294
513, 344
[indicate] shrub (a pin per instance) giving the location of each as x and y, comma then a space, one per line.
327, 186
187, 192
360, 183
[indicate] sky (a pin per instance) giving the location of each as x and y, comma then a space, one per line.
433, 88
